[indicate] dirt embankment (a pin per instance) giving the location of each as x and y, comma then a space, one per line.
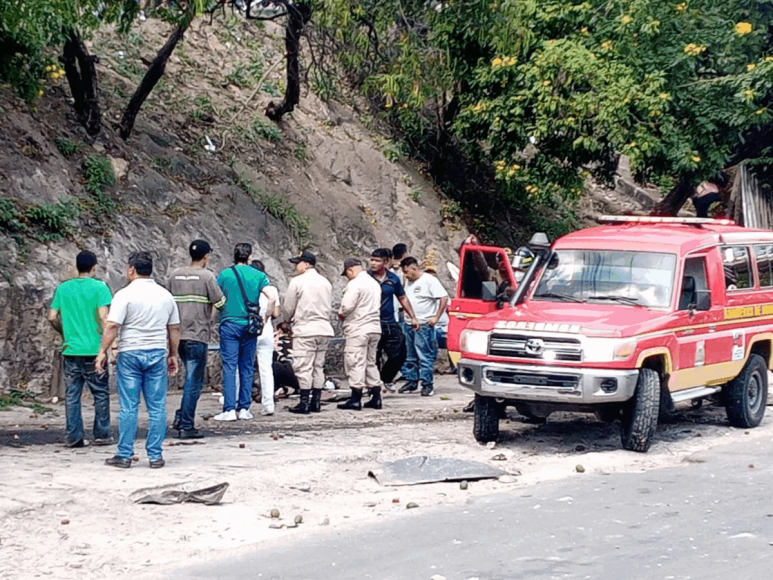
320, 179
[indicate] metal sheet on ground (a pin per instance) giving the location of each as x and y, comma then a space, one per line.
423, 469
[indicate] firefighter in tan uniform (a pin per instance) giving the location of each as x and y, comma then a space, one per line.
308, 304
360, 310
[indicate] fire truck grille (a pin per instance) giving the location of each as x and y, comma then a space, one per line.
536, 380
517, 346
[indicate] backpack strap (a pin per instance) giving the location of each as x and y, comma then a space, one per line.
241, 286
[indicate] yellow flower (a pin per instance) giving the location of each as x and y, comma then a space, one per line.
769, 59
694, 49
743, 28
545, 83
625, 19
497, 62
606, 45
695, 159
510, 172
751, 66
516, 167
655, 23
664, 96
632, 145
759, 111
584, 30
40, 93
510, 61
681, 7
749, 94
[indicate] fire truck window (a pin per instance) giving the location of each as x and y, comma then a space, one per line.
483, 266
764, 255
735, 261
693, 281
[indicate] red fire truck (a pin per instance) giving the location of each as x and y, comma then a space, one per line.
622, 320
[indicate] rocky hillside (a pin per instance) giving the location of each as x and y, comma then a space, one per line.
203, 161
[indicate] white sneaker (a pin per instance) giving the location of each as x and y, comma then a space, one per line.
226, 416
390, 387
245, 415
329, 385
266, 412
222, 399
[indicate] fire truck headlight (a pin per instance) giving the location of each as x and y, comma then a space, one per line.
474, 341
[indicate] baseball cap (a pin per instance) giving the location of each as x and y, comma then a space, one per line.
305, 257
199, 248
350, 263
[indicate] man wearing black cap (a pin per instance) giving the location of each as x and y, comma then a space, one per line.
360, 309
195, 291
308, 305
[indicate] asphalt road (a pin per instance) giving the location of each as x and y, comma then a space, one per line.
711, 517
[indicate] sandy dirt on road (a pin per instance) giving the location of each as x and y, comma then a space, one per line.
315, 466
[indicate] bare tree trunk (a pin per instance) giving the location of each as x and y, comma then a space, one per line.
82, 78
673, 202
152, 76
297, 17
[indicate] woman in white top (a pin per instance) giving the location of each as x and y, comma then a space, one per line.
265, 350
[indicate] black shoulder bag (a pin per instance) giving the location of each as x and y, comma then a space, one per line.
254, 319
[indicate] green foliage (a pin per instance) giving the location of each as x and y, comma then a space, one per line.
415, 194
266, 130
10, 217
22, 399
99, 176
276, 205
300, 151
66, 147
49, 222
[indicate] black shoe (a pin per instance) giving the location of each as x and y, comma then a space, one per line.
177, 418
190, 434
354, 402
76, 445
408, 387
124, 462
427, 390
375, 399
469, 407
157, 463
303, 407
315, 406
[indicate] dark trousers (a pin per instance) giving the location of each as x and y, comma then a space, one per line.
391, 346
193, 355
79, 370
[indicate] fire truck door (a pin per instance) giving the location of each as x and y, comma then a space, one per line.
477, 264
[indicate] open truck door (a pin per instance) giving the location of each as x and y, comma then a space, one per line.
486, 283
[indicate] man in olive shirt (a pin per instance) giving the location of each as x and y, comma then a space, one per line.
237, 345
196, 291
78, 313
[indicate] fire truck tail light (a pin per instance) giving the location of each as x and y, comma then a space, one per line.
623, 351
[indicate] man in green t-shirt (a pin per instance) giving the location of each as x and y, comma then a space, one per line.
78, 312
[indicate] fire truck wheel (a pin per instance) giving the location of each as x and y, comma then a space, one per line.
640, 414
486, 425
747, 394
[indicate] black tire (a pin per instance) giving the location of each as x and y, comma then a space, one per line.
747, 394
640, 414
486, 425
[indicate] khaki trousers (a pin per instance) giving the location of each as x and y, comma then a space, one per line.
309, 361
360, 361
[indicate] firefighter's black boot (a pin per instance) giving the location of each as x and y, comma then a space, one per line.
355, 401
316, 401
375, 399
302, 408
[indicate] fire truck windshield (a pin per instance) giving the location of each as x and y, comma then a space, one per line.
625, 278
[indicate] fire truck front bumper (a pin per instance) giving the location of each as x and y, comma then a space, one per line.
548, 384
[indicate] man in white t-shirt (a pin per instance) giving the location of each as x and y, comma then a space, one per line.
428, 299
145, 319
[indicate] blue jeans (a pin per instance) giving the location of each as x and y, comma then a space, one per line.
237, 349
193, 355
79, 370
141, 371
422, 352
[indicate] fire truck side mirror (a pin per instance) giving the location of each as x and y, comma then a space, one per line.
489, 291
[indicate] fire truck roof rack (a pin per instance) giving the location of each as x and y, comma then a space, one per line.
625, 219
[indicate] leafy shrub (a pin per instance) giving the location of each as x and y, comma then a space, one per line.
65, 146
50, 221
99, 176
266, 131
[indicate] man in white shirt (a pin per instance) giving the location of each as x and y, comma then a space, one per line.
145, 319
428, 299
360, 310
